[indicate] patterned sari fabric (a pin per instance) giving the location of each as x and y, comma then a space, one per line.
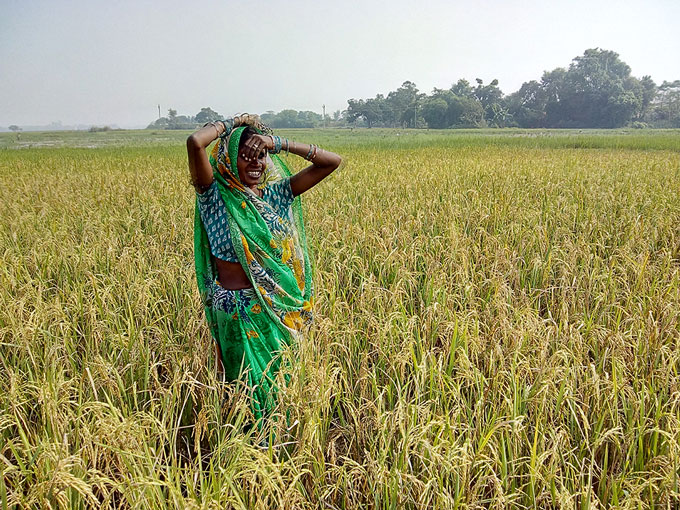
252, 326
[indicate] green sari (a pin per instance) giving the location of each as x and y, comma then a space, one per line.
253, 326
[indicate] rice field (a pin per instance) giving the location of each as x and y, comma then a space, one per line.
498, 326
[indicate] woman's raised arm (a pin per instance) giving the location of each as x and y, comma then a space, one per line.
199, 165
323, 164
323, 161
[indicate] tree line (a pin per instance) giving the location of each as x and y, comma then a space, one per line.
596, 91
174, 121
282, 119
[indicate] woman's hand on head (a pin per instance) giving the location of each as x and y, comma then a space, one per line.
255, 145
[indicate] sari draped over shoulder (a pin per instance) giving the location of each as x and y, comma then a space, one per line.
252, 326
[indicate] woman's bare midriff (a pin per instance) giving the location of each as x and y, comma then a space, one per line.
231, 275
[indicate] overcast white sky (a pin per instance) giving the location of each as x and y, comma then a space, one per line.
112, 62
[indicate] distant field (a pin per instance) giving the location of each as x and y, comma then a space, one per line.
668, 139
498, 326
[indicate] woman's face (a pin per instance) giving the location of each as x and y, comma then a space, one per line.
250, 172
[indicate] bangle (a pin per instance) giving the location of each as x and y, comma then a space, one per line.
287, 147
276, 140
311, 149
213, 125
313, 155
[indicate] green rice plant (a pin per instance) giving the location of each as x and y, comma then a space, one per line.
498, 326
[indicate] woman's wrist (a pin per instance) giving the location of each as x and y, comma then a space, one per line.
276, 144
312, 152
307, 152
216, 126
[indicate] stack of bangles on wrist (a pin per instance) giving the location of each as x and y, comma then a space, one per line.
214, 124
277, 142
312, 152
227, 126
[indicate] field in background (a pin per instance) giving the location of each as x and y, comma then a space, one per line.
498, 326
386, 138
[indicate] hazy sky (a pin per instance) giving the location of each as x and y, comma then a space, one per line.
96, 62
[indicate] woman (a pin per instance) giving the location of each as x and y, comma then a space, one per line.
252, 267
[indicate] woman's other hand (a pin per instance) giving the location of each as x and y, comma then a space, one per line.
255, 145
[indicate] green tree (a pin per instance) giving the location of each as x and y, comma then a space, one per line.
665, 109
527, 105
207, 115
402, 104
172, 118
553, 84
621, 106
444, 109
435, 112
466, 112
647, 92
462, 88
492, 101
173, 121
598, 91
354, 110
161, 123
268, 117
373, 111
14, 128
308, 119
285, 119
291, 119
369, 110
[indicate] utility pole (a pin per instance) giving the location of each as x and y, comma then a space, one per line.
159, 111
324, 116
415, 110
